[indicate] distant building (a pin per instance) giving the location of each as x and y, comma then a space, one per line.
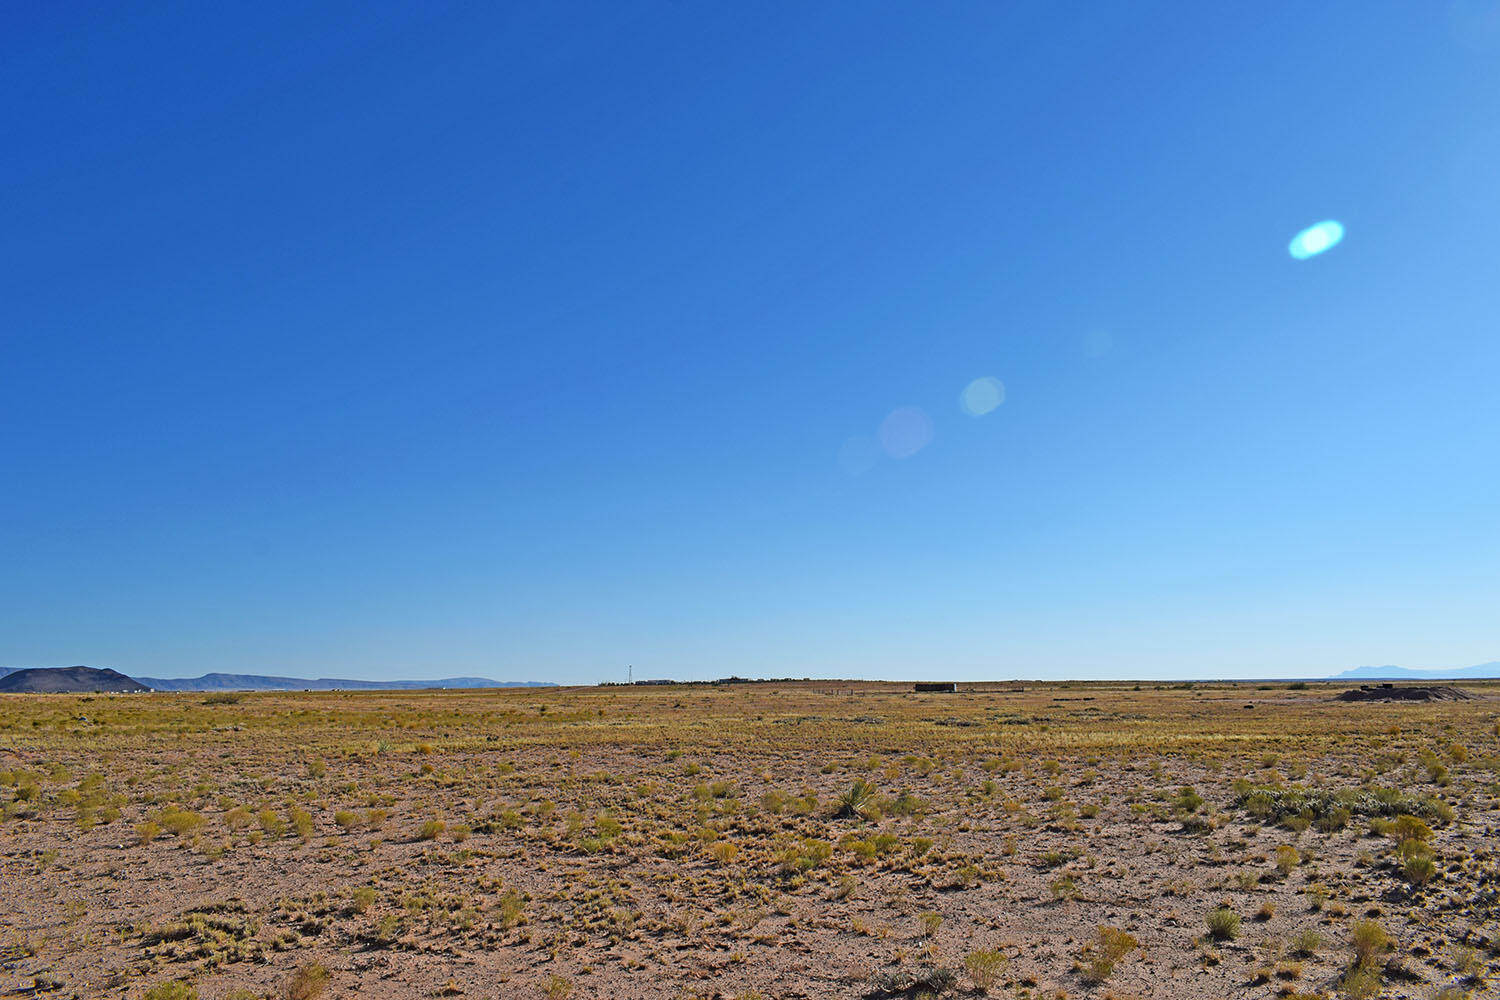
946, 687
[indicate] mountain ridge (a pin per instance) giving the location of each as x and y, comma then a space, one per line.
60, 679
1394, 673
264, 682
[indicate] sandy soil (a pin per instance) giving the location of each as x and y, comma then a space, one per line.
711, 842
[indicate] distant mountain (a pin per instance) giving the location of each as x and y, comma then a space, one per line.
1482, 670
257, 682
54, 680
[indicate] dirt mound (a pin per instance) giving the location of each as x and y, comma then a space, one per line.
1404, 692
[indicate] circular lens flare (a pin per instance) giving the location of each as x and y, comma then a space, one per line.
981, 396
905, 431
1316, 239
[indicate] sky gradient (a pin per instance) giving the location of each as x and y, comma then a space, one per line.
535, 340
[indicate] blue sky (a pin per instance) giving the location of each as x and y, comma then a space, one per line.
535, 340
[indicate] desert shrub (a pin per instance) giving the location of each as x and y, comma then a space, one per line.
346, 819
907, 804
985, 967
512, 908
937, 978
302, 822
309, 982
1465, 960
930, 922
1101, 958
363, 898
1333, 821
1408, 827
1223, 924
180, 822
857, 801
147, 831
387, 928
1361, 983
804, 856
1307, 942
1065, 887
271, 824
431, 830
928, 979
176, 989
1188, 800
557, 988
1369, 940
1284, 804
1419, 869
1287, 858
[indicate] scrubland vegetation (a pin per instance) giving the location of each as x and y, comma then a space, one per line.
751, 841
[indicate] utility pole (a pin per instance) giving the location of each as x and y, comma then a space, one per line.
630, 675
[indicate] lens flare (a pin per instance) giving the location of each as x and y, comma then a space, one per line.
981, 396
859, 455
905, 431
1316, 239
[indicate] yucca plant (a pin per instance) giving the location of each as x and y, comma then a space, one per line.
858, 801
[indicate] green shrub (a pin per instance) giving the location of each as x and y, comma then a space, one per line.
985, 967
180, 822
1223, 924
309, 982
1419, 869
1370, 941
1102, 957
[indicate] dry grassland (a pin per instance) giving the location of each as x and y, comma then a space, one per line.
743, 841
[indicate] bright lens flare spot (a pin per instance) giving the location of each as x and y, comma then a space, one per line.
905, 432
981, 396
1316, 239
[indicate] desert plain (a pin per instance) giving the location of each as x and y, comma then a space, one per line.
758, 840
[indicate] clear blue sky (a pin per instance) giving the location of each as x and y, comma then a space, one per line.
532, 340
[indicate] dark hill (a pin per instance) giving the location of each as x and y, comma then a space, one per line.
1405, 692
55, 680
